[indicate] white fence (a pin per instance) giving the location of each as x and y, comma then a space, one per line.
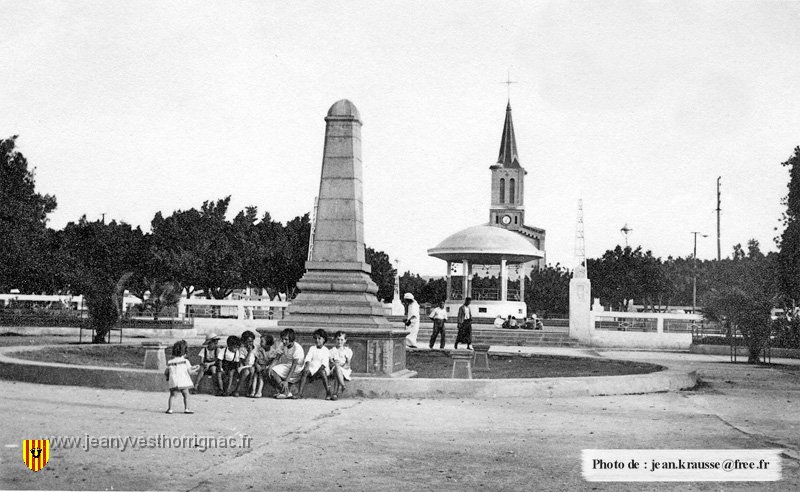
44, 301
239, 309
243, 309
643, 330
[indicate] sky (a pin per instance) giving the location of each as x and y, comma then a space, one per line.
635, 107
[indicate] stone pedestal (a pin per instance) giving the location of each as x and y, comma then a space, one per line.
580, 294
481, 363
154, 357
462, 364
336, 292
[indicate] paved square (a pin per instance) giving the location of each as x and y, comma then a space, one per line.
362, 444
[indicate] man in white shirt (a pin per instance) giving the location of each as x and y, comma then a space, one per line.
439, 316
412, 319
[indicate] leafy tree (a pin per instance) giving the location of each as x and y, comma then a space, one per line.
295, 252
788, 260
434, 291
411, 283
743, 296
25, 243
198, 249
382, 273
547, 291
175, 248
100, 258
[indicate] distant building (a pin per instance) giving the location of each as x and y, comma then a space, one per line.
504, 241
507, 209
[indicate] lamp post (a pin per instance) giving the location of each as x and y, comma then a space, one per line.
694, 271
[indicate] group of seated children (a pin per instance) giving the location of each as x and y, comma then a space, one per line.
281, 364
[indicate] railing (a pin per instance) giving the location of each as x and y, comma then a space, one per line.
487, 294
234, 309
646, 322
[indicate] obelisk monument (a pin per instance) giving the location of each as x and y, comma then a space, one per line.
336, 292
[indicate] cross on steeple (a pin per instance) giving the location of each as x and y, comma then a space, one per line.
508, 83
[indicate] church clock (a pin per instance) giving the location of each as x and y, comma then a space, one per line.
506, 219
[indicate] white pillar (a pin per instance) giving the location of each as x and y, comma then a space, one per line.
449, 281
503, 280
465, 285
580, 318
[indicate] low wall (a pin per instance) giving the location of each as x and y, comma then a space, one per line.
642, 340
34, 331
149, 380
741, 351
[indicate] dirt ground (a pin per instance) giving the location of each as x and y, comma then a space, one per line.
360, 444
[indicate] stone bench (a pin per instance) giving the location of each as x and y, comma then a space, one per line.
462, 364
481, 362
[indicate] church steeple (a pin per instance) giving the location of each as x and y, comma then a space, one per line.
508, 144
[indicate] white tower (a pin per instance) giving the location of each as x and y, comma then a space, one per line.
580, 289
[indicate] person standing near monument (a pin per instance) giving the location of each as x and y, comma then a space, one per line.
412, 319
464, 324
439, 316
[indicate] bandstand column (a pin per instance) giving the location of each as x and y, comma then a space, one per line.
465, 287
523, 273
503, 280
449, 282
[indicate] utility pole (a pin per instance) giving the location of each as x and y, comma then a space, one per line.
719, 252
694, 271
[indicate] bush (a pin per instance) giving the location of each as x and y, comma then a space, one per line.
786, 333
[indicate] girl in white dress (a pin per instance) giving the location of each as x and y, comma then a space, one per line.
179, 374
341, 355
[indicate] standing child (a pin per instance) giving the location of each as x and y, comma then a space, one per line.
178, 373
289, 366
209, 361
229, 363
341, 355
317, 363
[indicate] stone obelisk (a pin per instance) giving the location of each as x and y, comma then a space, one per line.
336, 292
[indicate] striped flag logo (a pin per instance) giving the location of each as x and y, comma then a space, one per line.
36, 453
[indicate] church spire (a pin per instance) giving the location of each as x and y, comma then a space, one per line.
508, 144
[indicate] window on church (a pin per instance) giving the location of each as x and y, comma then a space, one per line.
502, 190
511, 190
496, 219
515, 219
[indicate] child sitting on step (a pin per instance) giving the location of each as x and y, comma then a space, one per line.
289, 365
341, 355
209, 362
317, 363
229, 363
263, 357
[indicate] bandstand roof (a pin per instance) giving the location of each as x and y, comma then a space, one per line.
486, 245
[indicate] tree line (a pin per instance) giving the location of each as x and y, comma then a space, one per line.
186, 252
200, 250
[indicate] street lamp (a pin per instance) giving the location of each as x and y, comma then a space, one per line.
694, 271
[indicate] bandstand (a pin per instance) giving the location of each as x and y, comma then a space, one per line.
486, 249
